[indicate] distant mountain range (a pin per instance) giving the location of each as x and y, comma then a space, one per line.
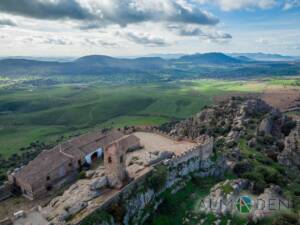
265, 57
196, 65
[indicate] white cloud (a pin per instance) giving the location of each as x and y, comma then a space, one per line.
262, 41
229, 5
99, 42
290, 4
145, 39
44, 40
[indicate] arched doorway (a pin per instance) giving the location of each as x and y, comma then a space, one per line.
94, 156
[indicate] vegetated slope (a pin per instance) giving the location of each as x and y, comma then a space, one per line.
265, 57
151, 68
260, 143
210, 58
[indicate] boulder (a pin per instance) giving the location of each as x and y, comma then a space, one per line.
265, 126
98, 184
162, 156
89, 174
74, 209
290, 156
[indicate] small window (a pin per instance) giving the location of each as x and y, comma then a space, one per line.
121, 159
109, 159
48, 187
70, 164
48, 178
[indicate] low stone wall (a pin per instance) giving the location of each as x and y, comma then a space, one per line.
142, 196
5, 191
152, 129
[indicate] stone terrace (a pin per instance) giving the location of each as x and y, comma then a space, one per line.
153, 144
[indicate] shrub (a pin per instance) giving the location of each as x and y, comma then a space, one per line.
158, 177
241, 168
82, 175
285, 219
231, 144
268, 139
280, 145
288, 126
118, 212
259, 187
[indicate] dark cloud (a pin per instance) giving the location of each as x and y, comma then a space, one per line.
123, 12
7, 22
45, 9
146, 39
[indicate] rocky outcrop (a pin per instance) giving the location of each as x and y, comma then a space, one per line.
141, 198
227, 118
290, 156
265, 126
269, 203
76, 198
222, 197
225, 196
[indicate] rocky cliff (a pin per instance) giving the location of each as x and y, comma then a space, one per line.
141, 198
260, 144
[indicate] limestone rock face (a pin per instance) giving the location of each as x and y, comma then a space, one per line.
269, 202
290, 156
222, 197
230, 116
265, 126
254, 106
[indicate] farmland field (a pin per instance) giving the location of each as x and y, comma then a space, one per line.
31, 113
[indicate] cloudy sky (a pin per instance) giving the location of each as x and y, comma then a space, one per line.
140, 27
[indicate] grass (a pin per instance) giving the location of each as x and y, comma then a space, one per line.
285, 82
44, 113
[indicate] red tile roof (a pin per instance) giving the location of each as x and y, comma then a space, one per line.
49, 160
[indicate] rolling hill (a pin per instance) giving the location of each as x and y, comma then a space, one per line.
188, 66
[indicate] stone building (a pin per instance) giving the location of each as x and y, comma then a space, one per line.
115, 160
58, 166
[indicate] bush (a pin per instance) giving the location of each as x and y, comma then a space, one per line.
285, 219
259, 187
231, 144
158, 177
272, 176
241, 168
288, 126
81, 175
118, 212
268, 139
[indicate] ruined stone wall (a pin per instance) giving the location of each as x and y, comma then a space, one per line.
154, 130
115, 164
142, 196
